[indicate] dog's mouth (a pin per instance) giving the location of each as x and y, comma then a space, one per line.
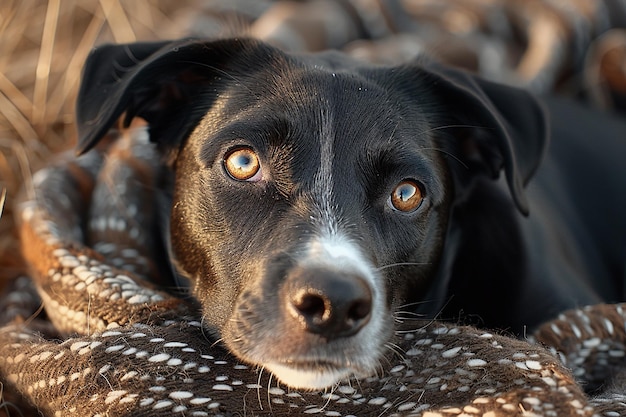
313, 375
306, 365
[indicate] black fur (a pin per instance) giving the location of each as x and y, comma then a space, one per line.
508, 252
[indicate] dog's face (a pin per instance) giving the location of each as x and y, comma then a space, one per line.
302, 199
312, 194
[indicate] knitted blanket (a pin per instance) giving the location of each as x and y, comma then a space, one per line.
110, 341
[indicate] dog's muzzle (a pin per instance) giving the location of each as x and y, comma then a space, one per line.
320, 320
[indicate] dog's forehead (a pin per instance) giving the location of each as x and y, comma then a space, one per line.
346, 92
317, 111
356, 103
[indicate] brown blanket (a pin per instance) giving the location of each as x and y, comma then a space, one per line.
111, 342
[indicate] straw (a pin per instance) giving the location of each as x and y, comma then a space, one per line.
43, 46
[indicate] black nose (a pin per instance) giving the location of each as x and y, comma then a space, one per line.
328, 303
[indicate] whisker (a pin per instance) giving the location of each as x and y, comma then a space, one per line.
399, 401
414, 304
358, 382
435, 317
217, 342
379, 368
393, 131
33, 316
408, 315
403, 332
380, 268
329, 395
3, 197
395, 349
207, 334
451, 155
386, 410
258, 389
459, 126
220, 71
269, 395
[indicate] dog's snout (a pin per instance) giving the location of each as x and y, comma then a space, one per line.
328, 303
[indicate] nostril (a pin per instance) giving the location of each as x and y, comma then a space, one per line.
360, 309
312, 307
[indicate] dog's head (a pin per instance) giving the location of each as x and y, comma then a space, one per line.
312, 193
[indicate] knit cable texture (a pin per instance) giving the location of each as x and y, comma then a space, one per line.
109, 342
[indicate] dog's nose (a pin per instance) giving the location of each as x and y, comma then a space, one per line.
329, 303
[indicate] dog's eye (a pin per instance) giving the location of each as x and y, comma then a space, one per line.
407, 196
242, 164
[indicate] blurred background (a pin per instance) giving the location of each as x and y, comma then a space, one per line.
43, 45
575, 48
571, 47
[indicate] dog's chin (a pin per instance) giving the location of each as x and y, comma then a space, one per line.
309, 377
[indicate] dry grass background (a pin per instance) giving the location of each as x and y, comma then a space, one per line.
43, 45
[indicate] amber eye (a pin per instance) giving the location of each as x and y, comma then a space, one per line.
407, 196
242, 164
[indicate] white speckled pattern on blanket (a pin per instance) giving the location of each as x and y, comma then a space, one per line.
111, 343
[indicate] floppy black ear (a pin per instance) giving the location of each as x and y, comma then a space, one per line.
507, 126
155, 81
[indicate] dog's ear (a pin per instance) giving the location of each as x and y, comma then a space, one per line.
155, 81
501, 126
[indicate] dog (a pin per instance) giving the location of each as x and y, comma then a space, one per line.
312, 199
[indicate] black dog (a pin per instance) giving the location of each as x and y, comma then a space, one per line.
315, 197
